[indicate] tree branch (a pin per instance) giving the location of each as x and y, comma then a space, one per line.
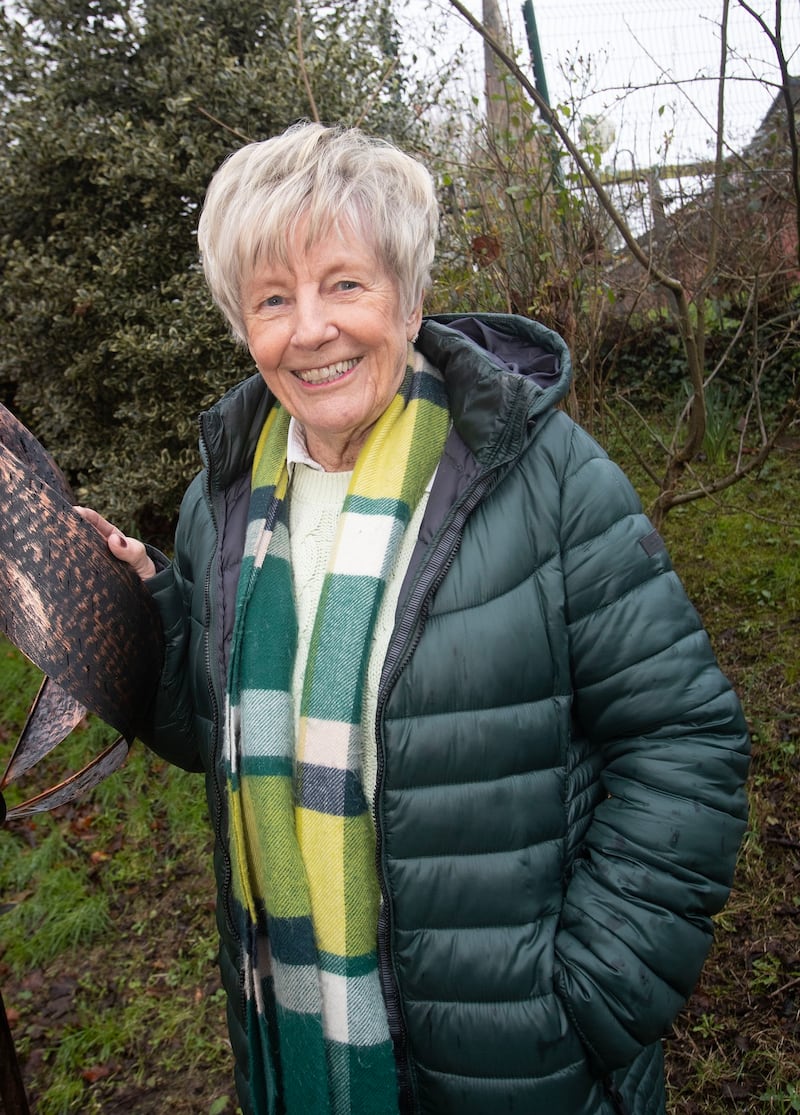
221, 124
301, 61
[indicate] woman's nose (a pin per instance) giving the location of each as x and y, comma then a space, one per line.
313, 321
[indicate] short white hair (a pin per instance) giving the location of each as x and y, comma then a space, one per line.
334, 178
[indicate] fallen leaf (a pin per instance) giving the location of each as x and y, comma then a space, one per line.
97, 1072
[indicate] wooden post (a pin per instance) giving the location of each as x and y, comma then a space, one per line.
12, 1090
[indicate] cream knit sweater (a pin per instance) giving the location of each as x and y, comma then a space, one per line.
315, 502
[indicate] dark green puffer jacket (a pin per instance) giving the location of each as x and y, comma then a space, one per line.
560, 761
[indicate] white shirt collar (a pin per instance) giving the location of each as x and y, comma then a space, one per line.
297, 448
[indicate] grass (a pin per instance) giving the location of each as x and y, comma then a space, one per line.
107, 956
737, 1045
107, 943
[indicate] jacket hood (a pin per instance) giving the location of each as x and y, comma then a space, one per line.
502, 372
514, 351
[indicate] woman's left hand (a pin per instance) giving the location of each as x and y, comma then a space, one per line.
129, 550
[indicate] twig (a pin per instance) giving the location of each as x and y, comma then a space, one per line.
221, 124
301, 61
780, 990
387, 73
628, 441
788, 99
551, 119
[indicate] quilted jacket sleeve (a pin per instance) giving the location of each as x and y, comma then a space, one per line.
659, 854
173, 736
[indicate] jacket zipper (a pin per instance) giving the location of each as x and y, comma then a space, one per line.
225, 889
615, 1096
404, 642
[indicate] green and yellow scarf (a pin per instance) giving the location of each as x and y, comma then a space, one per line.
302, 839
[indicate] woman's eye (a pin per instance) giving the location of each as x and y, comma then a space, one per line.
273, 300
347, 284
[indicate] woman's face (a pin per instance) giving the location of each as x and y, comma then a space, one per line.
330, 337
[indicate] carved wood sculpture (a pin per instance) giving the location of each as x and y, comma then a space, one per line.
78, 614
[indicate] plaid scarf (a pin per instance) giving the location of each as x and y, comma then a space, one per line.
302, 839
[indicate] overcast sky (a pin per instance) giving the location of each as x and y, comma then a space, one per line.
613, 45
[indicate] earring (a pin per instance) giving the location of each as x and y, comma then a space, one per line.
414, 338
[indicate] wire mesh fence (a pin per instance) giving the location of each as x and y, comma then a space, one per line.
651, 71
647, 75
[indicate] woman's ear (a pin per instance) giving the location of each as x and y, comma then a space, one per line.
413, 322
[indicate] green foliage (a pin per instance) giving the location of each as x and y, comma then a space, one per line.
59, 914
721, 415
110, 900
735, 1047
113, 118
643, 358
783, 1100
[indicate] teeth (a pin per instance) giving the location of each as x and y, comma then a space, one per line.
325, 375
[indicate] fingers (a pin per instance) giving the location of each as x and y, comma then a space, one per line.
129, 550
93, 518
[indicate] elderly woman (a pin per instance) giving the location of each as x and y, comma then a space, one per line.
475, 777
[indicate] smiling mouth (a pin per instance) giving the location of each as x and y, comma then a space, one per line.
327, 374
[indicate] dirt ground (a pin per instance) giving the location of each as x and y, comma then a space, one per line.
159, 918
